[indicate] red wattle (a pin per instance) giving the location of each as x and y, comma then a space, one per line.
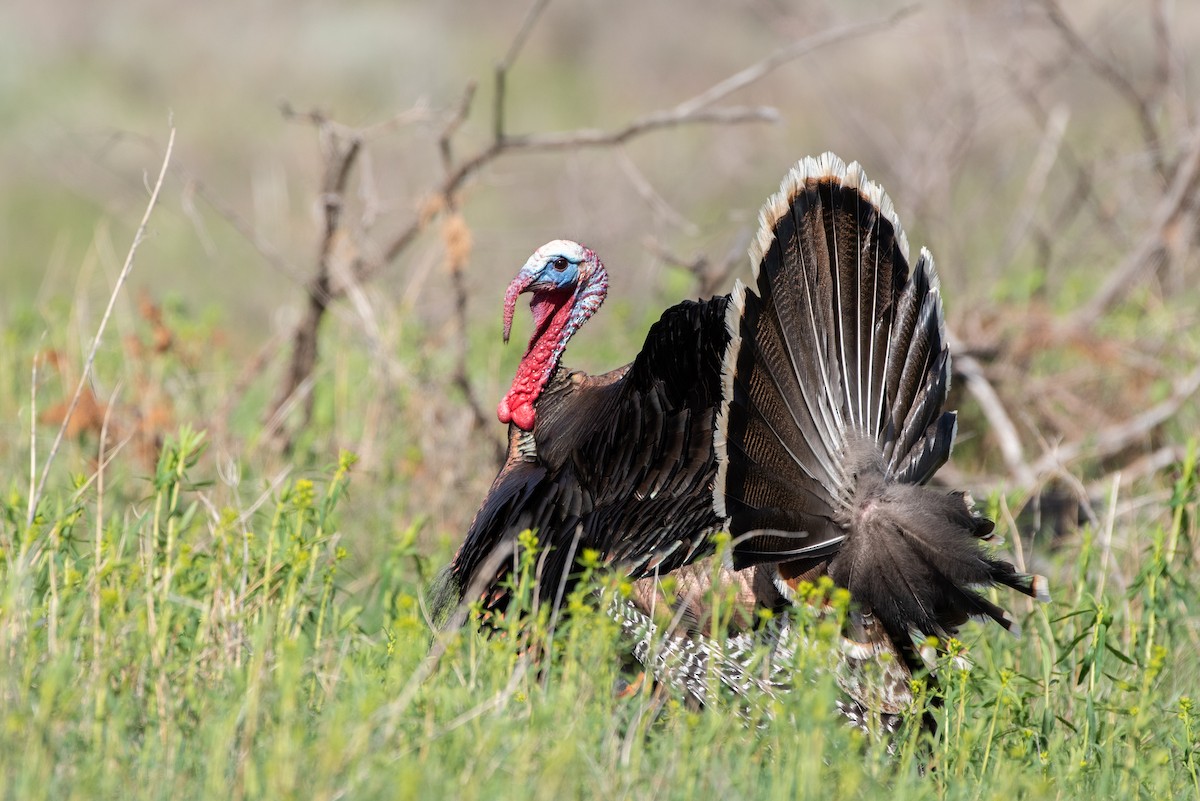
551, 310
522, 415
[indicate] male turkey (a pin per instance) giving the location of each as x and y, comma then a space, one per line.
803, 415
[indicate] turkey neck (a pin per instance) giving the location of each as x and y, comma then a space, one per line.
551, 313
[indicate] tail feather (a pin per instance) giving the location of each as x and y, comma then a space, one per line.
910, 305
1034, 586
930, 453
835, 379
834, 342
922, 366
924, 412
777, 419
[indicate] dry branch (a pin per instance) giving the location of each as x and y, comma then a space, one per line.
641, 184
456, 234
1083, 193
1095, 445
342, 153
997, 415
1142, 467
1035, 186
1106, 68
1128, 432
785, 55
270, 254
571, 140
444, 196
510, 57
566, 140
1178, 200
712, 276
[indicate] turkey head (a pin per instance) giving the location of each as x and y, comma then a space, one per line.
568, 284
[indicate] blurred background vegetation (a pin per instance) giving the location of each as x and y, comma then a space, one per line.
1035, 149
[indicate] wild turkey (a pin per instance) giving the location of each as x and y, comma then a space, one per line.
802, 414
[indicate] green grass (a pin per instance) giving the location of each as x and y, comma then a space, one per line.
175, 634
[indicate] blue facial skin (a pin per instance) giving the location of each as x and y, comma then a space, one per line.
558, 272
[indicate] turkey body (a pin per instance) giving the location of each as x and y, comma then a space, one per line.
622, 464
802, 413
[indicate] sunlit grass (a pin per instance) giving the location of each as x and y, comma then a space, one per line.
164, 646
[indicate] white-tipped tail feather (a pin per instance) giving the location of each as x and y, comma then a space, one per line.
832, 415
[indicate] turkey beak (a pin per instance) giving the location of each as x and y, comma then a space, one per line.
521, 283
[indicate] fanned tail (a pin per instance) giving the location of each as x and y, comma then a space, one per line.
832, 415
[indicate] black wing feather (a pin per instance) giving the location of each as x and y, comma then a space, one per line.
623, 467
